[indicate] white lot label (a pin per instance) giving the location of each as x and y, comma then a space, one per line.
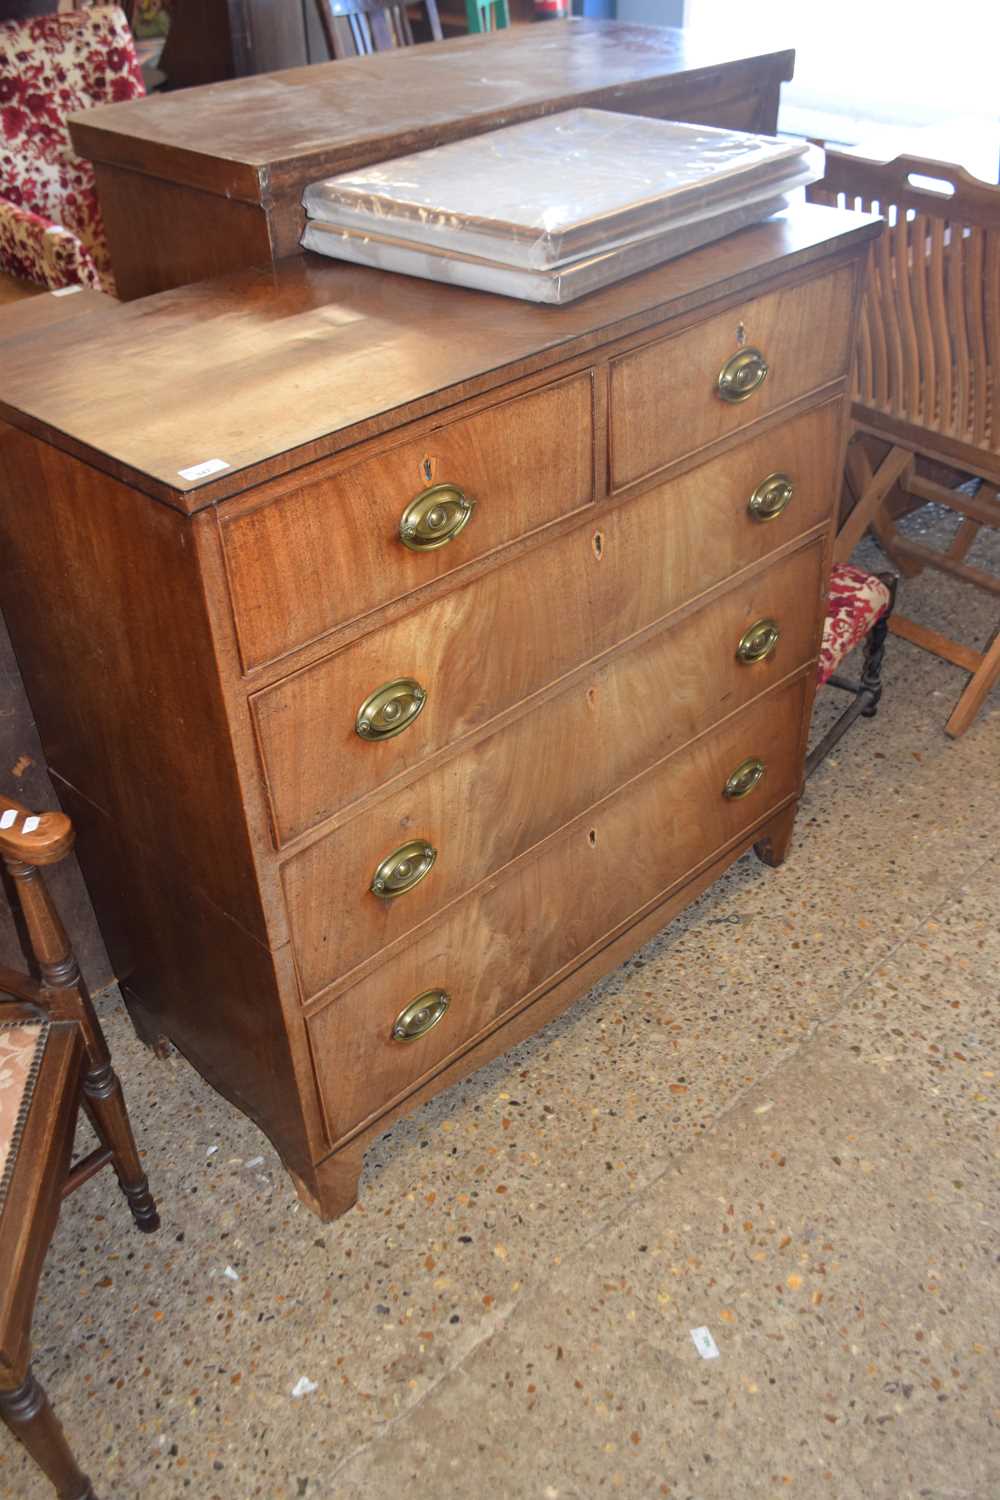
202, 470
704, 1343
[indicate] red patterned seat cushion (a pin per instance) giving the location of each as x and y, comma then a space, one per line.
857, 600
50, 67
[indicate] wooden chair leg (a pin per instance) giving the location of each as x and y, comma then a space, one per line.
105, 1105
874, 651
31, 1419
976, 690
964, 538
873, 486
68, 997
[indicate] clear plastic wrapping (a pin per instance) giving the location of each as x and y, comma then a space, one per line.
555, 284
550, 191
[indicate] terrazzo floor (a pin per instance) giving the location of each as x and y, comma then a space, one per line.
778, 1122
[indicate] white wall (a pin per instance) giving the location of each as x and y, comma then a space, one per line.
893, 62
652, 12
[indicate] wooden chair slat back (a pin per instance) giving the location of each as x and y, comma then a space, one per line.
929, 341
357, 28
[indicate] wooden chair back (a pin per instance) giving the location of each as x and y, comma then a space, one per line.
355, 28
929, 339
487, 15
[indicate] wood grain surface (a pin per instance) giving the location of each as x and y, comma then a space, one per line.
522, 463
500, 946
663, 396
482, 649
242, 138
267, 370
547, 768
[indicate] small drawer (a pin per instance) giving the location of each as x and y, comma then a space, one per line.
665, 397
332, 549
444, 833
485, 647
521, 934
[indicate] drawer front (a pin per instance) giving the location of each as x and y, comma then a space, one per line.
543, 770
665, 400
519, 935
489, 645
331, 550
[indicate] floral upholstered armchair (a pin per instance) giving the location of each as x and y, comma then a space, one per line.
50, 67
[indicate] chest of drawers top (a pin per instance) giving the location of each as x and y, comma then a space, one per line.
198, 394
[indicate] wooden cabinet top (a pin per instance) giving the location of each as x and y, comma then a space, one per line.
268, 369
245, 136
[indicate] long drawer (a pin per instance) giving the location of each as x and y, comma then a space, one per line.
487, 646
518, 935
330, 549
665, 399
437, 837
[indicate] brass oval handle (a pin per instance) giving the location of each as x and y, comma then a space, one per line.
420, 1016
757, 643
435, 517
390, 709
771, 497
404, 868
743, 373
747, 775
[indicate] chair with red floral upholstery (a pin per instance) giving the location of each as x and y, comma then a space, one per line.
858, 609
50, 67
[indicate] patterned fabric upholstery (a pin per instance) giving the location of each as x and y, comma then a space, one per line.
50, 67
21, 1048
857, 600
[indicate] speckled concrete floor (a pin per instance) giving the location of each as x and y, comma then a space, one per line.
778, 1122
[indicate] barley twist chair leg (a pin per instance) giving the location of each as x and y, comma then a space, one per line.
874, 651
27, 1413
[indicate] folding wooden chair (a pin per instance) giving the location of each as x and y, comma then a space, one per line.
926, 379
53, 1057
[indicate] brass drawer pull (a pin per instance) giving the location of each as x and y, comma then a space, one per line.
390, 709
771, 497
743, 373
435, 517
404, 868
420, 1016
757, 643
743, 780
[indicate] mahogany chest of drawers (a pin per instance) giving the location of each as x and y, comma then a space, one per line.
407, 656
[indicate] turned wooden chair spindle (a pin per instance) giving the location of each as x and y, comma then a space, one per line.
925, 379
355, 28
53, 1058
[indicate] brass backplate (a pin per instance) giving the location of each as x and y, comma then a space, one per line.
758, 642
404, 868
771, 497
420, 1016
435, 518
743, 373
390, 709
748, 774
